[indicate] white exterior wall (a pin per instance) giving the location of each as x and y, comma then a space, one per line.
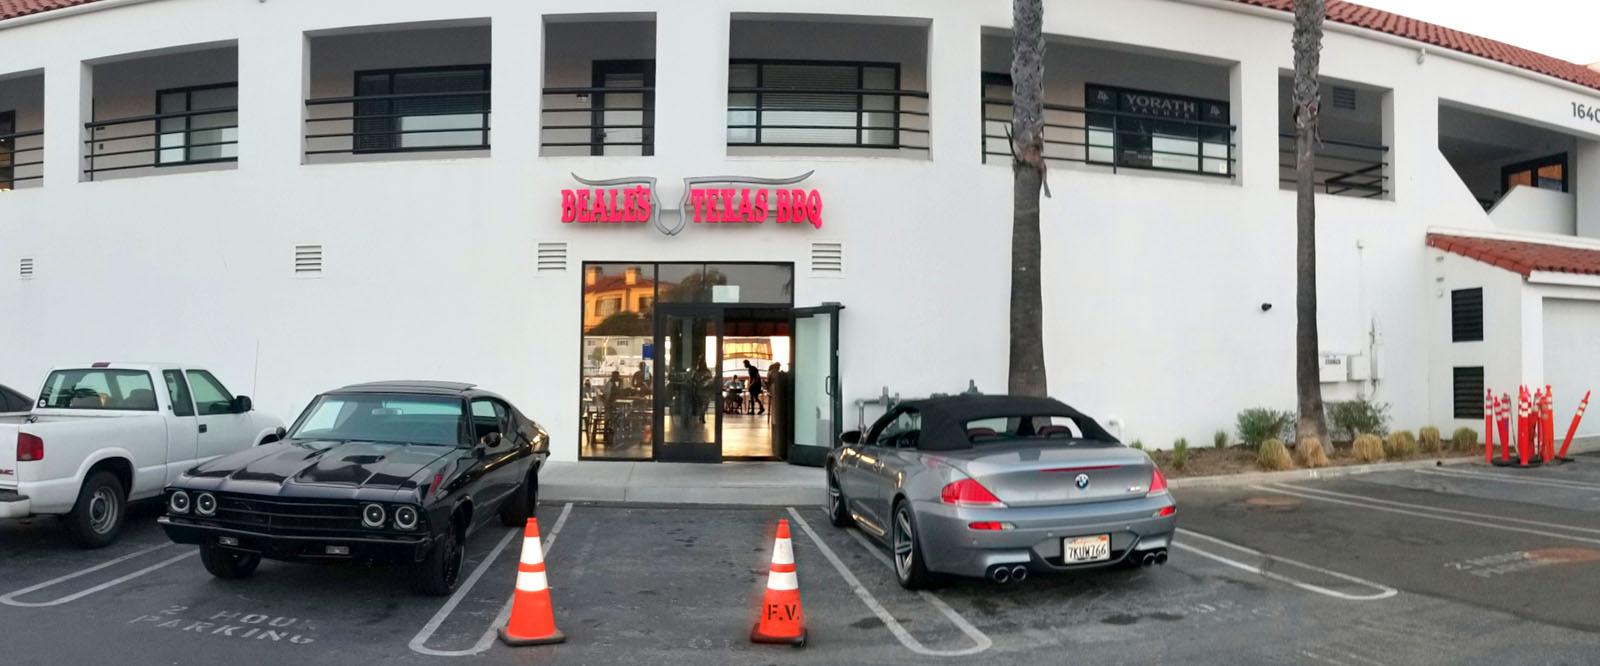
1153, 283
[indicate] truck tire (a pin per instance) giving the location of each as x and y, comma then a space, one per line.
228, 564
96, 518
438, 574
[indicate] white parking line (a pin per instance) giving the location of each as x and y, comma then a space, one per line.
1420, 514
1429, 507
1384, 591
11, 599
417, 642
1541, 481
981, 641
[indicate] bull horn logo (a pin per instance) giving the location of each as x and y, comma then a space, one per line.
672, 221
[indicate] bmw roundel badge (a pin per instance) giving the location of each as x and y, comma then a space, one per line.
1082, 481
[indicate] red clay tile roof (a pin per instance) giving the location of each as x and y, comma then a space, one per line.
13, 8
1455, 40
1520, 256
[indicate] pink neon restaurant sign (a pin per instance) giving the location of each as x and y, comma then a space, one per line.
605, 202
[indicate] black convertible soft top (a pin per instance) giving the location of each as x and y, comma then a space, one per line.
944, 419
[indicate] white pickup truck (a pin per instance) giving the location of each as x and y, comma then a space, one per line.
103, 434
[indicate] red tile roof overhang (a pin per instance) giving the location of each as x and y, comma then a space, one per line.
1521, 257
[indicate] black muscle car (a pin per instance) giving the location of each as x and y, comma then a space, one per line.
378, 473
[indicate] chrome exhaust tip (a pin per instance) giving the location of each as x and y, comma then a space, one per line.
1019, 574
1000, 575
1161, 557
1148, 559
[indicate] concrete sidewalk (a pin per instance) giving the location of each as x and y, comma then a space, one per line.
742, 483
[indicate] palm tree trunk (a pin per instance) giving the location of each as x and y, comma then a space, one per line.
1308, 15
1027, 372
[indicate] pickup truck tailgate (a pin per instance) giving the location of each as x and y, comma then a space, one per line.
8, 453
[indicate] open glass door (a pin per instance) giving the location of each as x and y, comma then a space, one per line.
689, 413
817, 407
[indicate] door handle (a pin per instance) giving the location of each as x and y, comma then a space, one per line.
202, 427
827, 385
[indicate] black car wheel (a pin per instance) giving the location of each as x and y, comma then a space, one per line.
837, 513
521, 504
441, 571
96, 518
909, 568
229, 564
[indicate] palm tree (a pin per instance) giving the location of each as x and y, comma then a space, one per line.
1027, 373
1308, 15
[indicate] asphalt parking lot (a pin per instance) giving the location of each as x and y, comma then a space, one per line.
1466, 564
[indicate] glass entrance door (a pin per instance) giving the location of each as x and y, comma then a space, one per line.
817, 407
689, 414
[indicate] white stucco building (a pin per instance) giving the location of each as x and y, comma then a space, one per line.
304, 194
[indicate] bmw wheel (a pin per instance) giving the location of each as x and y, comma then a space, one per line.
837, 513
909, 568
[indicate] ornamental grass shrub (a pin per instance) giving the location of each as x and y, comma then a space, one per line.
1348, 418
1273, 456
1259, 424
1368, 448
1464, 439
1310, 454
1220, 439
1428, 440
1402, 444
1180, 453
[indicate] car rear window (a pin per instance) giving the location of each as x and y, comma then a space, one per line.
380, 417
1011, 428
99, 388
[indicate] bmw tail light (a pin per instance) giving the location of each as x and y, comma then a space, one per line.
1165, 511
968, 492
29, 447
1158, 483
989, 525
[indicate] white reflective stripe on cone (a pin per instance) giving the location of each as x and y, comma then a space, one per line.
780, 580
534, 581
783, 552
532, 551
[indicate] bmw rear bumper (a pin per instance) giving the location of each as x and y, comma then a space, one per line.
1034, 534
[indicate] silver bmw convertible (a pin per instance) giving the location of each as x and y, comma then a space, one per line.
998, 487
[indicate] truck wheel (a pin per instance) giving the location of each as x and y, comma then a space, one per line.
441, 571
520, 505
228, 564
96, 518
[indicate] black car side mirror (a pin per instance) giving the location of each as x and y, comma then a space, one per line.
851, 437
493, 439
241, 404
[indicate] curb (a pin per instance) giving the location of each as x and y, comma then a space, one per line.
1252, 478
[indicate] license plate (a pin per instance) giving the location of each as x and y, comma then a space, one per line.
1076, 550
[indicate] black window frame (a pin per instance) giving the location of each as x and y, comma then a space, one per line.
1534, 165
8, 148
188, 122
1119, 130
182, 400
860, 67
1463, 329
645, 67
1466, 404
387, 110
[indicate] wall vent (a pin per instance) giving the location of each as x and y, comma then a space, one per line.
552, 257
1344, 98
25, 268
827, 259
1466, 389
307, 260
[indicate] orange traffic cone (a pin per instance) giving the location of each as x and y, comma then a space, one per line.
782, 620
533, 620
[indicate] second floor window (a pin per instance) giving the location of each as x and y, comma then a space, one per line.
436, 108
198, 124
793, 103
1135, 128
8, 126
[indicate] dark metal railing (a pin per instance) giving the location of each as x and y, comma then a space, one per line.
1346, 168
1117, 139
370, 124
588, 122
891, 127
142, 149
16, 161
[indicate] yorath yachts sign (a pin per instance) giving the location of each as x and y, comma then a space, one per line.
749, 200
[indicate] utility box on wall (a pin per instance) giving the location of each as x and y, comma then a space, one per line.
1334, 368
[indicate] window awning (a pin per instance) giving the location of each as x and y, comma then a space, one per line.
1521, 257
